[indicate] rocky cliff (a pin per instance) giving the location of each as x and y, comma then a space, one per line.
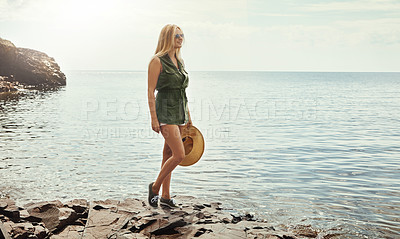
22, 67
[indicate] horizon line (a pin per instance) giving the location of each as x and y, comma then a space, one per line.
294, 71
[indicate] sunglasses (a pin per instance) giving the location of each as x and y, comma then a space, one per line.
179, 35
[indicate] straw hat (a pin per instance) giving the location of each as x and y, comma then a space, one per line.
193, 142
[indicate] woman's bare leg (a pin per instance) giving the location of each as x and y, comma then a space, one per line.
167, 153
172, 136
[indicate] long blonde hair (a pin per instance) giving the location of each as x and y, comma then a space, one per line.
166, 41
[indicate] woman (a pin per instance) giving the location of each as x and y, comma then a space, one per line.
169, 110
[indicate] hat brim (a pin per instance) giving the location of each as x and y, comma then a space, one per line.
193, 142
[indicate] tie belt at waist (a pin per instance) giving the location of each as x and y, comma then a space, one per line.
182, 91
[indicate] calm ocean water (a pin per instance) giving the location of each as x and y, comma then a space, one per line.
319, 149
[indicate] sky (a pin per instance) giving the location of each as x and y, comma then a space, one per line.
223, 35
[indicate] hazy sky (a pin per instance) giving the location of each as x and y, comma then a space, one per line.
296, 35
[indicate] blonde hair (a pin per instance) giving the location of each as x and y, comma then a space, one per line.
166, 41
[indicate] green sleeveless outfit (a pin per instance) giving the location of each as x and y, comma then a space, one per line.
171, 100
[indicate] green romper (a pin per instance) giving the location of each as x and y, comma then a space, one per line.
171, 100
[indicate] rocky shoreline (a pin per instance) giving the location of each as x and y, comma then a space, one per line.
133, 218
22, 68
6, 85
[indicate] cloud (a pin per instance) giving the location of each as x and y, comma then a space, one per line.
26, 10
384, 31
355, 6
278, 15
378, 32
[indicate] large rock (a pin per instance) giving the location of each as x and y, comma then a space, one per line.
8, 56
38, 69
53, 214
24, 230
9, 209
48, 212
43, 219
29, 67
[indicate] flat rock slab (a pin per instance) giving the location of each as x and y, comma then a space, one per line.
70, 232
105, 217
3, 232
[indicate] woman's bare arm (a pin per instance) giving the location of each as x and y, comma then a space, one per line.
153, 73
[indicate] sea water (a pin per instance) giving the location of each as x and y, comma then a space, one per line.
295, 148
